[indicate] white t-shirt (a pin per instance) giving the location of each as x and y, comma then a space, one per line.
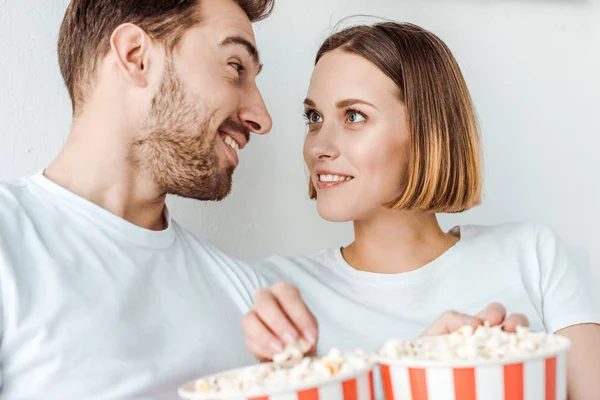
523, 266
93, 307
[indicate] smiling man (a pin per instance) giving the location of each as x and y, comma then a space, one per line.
102, 295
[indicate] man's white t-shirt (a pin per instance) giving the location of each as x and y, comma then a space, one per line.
523, 266
93, 307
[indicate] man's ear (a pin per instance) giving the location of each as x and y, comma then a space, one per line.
130, 45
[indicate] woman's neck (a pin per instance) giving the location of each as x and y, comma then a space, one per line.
397, 241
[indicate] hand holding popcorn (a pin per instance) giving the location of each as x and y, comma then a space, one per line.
494, 314
278, 319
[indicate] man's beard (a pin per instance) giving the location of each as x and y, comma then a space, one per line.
176, 147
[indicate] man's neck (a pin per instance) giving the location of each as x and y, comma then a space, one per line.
95, 164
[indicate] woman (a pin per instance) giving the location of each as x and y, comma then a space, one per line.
392, 140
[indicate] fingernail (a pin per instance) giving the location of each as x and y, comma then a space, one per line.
309, 337
276, 347
495, 315
290, 337
472, 320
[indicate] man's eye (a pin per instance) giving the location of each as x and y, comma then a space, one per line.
237, 66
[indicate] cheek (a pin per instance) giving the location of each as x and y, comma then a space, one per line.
225, 96
382, 168
306, 151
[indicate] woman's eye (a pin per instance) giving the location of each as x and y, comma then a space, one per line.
355, 117
313, 118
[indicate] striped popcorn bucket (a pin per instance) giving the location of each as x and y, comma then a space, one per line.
539, 377
359, 386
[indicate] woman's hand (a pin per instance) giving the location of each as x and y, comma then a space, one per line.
494, 313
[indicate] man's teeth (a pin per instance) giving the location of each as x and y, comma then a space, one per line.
231, 143
334, 178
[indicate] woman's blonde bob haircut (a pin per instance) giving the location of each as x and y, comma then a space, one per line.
445, 168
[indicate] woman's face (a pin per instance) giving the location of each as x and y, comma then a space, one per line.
357, 143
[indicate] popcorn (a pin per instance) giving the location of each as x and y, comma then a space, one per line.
288, 369
484, 343
292, 352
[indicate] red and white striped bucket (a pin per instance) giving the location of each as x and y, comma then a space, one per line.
357, 387
539, 377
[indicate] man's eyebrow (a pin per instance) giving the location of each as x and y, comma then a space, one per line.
250, 48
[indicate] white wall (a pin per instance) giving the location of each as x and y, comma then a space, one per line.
533, 68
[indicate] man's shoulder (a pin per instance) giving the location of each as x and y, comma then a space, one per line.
13, 196
14, 210
195, 241
211, 254
227, 268
23, 205
12, 187
294, 268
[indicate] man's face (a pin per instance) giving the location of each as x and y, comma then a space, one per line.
207, 105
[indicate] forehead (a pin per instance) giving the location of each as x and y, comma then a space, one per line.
223, 18
347, 75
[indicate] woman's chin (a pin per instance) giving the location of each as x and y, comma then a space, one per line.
334, 213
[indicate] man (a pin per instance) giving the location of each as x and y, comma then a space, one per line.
103, 296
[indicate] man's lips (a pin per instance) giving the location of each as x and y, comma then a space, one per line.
239, 138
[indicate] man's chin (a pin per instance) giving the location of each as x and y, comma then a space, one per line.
215, 196
211, 189
221, 195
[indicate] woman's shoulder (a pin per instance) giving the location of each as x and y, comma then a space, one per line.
506, 229
518, 239
523, 233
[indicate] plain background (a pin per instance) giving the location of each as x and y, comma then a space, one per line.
533, 68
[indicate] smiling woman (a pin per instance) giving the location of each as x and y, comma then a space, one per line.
392, 140
435, 109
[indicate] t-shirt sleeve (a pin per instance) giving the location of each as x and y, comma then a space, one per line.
241, 278
275, 269
3, 266
568, 283
249, 280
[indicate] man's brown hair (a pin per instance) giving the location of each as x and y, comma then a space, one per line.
445, 167
88, 25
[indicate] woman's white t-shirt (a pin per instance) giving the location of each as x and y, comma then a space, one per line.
526, 267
